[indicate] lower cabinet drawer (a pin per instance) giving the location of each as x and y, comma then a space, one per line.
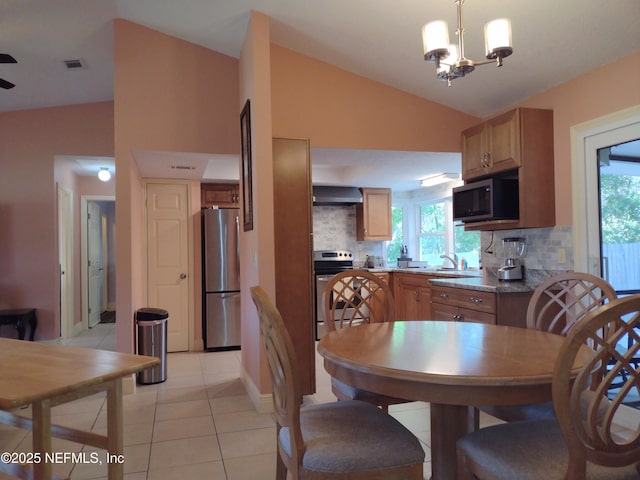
467, 315
455, 314
463, 298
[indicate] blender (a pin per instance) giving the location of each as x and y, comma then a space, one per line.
514, 249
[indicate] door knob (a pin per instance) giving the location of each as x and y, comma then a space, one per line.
183, 276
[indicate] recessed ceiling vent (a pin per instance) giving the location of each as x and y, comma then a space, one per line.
183, 167
74, 64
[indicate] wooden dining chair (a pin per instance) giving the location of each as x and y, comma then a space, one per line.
555, 306
588, 438
337, 440
354, 297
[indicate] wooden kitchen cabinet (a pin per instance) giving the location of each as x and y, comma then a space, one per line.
517, 145
467, 305
463, 305
492, 146
373, 215
222, 195
412, 294
384, 276
294, 251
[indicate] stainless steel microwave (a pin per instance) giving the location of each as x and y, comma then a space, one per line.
484, 200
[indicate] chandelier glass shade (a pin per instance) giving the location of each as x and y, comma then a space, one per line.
449, 58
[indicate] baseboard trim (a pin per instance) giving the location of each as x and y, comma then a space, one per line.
263, 403
198, 345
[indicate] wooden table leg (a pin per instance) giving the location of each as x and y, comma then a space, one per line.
115, 442
41, 412
448, 423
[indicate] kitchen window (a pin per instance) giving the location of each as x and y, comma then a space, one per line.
438, 236
433, 232
397, 236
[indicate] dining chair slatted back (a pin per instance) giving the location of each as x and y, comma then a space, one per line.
357, 296
590, 437
339, 440
556, 305
562, 300
286, 392
587, 408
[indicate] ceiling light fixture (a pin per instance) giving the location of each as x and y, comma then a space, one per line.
104, 174
439, 178
435, 39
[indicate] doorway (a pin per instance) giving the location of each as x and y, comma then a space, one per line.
98, 260
619, 202
587, 138
65, 256
594, 215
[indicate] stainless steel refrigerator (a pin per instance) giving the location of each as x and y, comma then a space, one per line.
221, 278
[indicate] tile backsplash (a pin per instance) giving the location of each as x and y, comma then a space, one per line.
334, 228
547, 248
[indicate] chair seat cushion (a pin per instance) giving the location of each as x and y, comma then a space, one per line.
346, 391
529, 450
350, 436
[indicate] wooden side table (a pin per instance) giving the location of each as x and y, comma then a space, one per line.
19, 318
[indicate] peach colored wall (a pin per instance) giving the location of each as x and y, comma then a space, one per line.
257, 245
29, 141
170, 95
91, 185
606, 90
335, 108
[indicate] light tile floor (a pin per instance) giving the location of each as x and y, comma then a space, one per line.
200, 423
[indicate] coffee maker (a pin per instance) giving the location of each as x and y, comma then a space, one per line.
514, 249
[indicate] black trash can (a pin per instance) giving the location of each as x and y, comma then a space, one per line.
152, 341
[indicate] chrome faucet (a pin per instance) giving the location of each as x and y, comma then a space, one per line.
454, 260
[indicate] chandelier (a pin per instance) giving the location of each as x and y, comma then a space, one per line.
449, 58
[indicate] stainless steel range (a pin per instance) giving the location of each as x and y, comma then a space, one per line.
326, 263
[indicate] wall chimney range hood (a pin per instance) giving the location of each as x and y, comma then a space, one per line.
324, 195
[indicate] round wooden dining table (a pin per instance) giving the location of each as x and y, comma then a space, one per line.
452, 365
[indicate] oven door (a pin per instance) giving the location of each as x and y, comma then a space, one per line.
341, 312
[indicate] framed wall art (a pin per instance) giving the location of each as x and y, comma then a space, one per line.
247, 187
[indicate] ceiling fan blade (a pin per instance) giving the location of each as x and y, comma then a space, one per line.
5, 84
6, 58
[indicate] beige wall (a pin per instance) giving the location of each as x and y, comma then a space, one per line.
608, 89
257, 245
29, 142
335, 108
169, 95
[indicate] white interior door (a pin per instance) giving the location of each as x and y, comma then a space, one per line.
94, 262
168, 259
65, 229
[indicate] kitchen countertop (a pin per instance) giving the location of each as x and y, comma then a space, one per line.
480, 280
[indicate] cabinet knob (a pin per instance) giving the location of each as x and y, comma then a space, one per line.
475, 300
444, 295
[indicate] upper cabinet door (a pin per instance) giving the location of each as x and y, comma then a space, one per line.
503, 133
373, 215
474, 148
492, 146
220, 195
